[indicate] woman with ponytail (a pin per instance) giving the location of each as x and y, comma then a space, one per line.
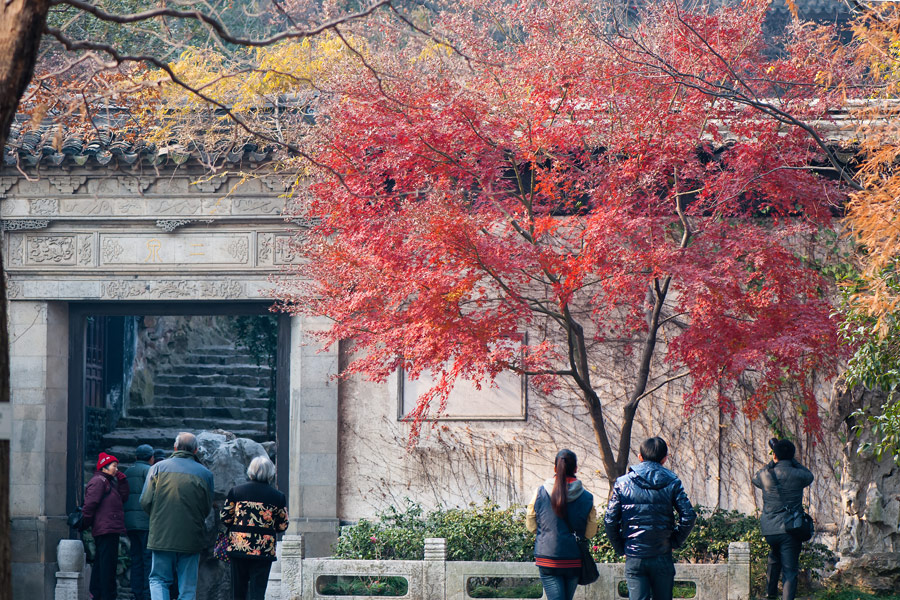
560, 508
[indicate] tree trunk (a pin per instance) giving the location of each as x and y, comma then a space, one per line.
21, 25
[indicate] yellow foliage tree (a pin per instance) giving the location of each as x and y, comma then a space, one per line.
874, 213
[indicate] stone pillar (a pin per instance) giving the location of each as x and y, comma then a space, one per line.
292, 567
39, 370
739, 571
434, 572
70, 582
273, 589
313, 438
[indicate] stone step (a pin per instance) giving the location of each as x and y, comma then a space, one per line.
162, 402
225, 357
228, 391
237, 411
131, 438
202, 369
190, 421
223, 378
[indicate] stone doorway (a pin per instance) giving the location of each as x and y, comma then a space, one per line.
140, 373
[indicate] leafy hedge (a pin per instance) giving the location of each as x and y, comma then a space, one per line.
487, 532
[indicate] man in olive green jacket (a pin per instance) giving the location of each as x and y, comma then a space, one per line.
178, 496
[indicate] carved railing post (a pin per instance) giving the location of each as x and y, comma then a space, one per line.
70, 577
434, 569
739, 571
292, 568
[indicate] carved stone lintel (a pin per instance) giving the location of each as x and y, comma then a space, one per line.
210, 186
44, 207
137, 185
18, 224
68, 184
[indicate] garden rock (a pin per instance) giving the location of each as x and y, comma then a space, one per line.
227, 457
873, 573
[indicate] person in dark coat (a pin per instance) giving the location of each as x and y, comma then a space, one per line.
137, 522
559, 509
254, 512
103, 512
640, 522
784, 549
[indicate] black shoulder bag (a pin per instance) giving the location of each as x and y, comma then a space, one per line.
797, 522
589, 573
75, 520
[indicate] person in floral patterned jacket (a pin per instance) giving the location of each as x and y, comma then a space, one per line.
254, 513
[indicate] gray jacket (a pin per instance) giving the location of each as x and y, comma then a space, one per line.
792, 478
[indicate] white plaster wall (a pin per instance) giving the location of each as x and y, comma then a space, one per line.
455, 463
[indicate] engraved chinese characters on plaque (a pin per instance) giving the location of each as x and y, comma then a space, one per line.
181, 249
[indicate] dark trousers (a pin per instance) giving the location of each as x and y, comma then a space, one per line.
103, 571
650, 578
784, 561
559, 584
141, 559
249, 578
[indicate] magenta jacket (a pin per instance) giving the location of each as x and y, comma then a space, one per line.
103, 511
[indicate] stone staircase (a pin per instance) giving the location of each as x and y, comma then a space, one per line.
212, 387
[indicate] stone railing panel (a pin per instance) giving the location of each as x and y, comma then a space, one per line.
435, 578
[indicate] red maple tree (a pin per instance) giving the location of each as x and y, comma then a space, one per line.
555, 172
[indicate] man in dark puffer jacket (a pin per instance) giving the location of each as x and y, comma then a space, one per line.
640, 522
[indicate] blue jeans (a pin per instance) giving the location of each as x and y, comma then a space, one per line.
141, 559
650, 578
784, 562
557, 587
168, 564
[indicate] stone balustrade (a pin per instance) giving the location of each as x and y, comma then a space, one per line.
436, 578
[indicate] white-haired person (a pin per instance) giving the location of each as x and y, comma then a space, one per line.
254, 512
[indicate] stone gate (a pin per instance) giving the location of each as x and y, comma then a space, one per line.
130, 232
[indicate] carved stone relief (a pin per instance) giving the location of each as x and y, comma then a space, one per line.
6, 184
257, 206
43, 206
169, 289
275, 183
86, 249
111, 250
58, 249
13, 289
264, 248
67, 184
173, 289
19, 224
210, 185
15, 250
227, 289
239, 249
286, 252
137, 185
122, 290
173, 206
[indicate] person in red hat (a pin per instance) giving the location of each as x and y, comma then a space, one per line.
104, 513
